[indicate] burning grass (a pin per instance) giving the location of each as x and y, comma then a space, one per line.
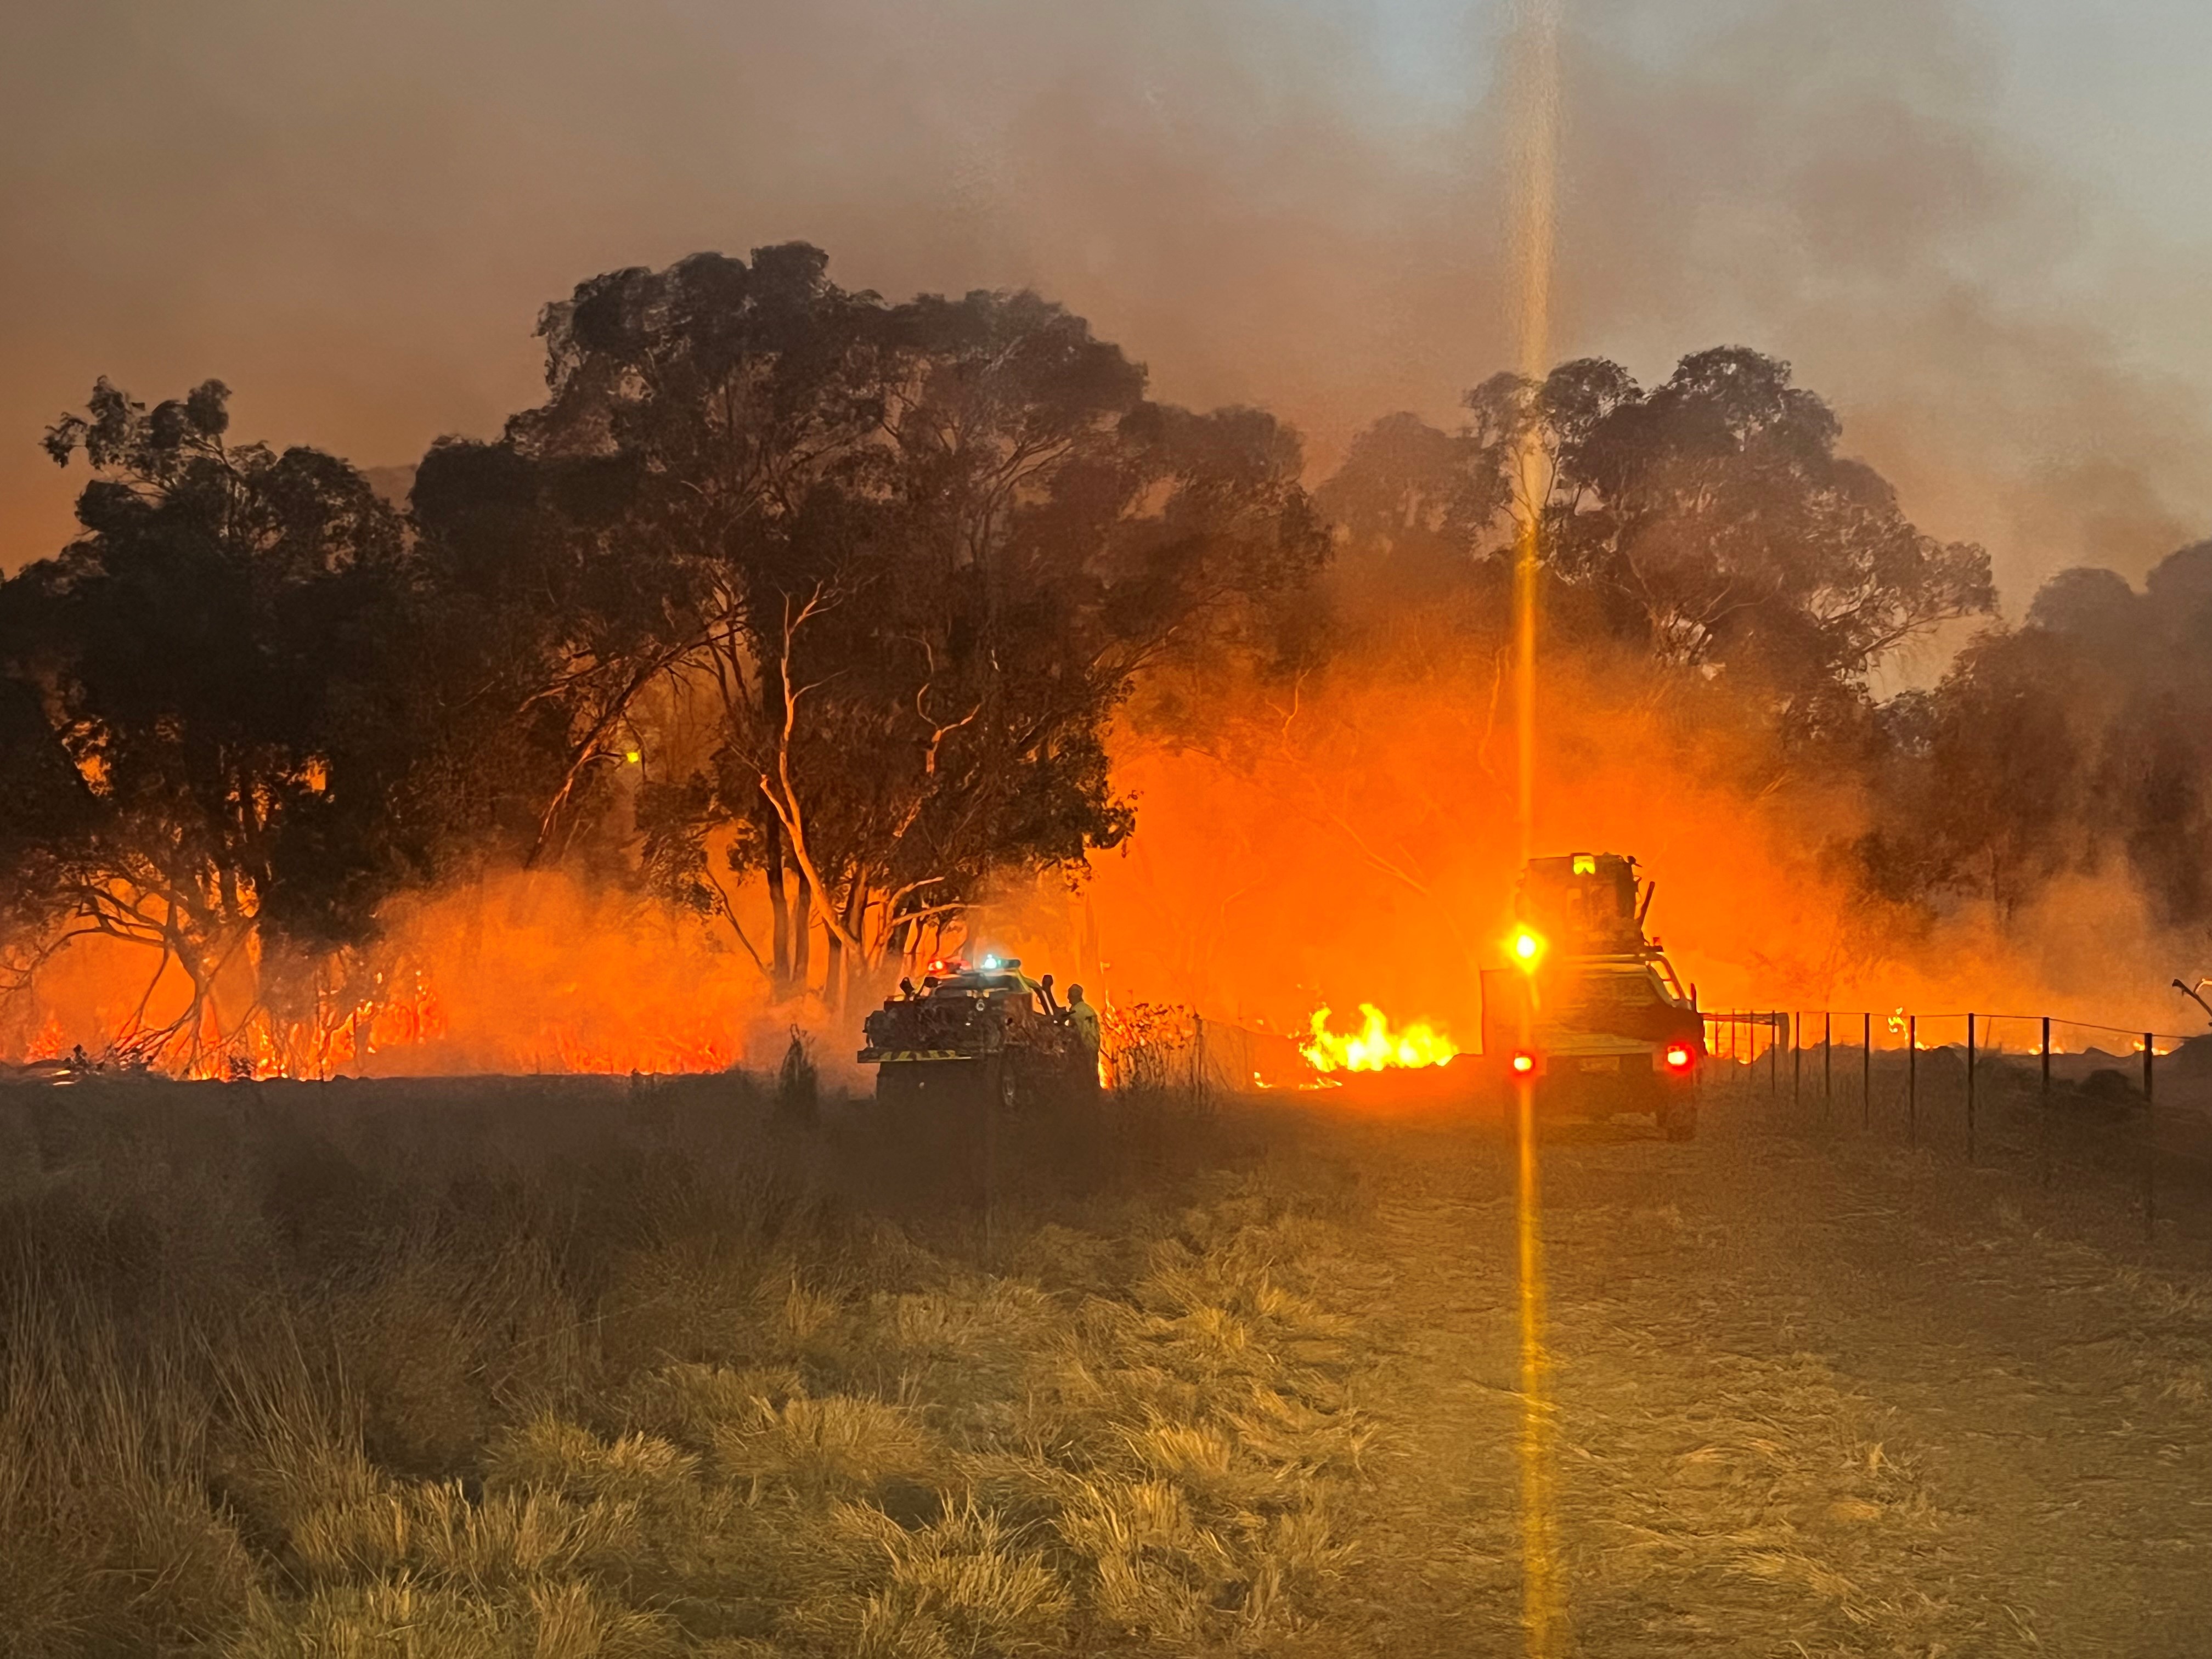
648, 1373
1375, 1047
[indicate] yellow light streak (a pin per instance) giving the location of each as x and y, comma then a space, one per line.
1537, 82
1542, 1613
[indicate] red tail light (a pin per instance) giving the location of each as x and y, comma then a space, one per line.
1524, 1062
1680, 1056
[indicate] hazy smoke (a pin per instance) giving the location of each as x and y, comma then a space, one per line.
352, 214
1352, 838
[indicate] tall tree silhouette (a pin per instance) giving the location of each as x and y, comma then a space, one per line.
861, 584
193, 699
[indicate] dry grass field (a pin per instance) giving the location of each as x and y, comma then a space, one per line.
1814, 1399
569, 1368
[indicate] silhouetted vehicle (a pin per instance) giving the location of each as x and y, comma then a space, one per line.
1594, 1015
986, 1033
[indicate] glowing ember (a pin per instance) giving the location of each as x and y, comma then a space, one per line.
1375, 1047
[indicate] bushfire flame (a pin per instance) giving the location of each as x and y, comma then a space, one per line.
1375, 1047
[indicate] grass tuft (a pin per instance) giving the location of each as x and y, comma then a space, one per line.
432, 1530
965, 1583
550, 1454
837, 1446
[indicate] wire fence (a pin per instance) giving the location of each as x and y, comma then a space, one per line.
2123, 1114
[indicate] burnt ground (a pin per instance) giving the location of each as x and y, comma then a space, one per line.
1816, 1396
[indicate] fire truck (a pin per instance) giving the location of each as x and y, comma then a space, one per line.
1590, 1012
977, 1033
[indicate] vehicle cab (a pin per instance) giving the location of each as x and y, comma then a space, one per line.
1596, 1018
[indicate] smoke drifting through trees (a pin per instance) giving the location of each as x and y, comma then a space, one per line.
809, 621
2075, 743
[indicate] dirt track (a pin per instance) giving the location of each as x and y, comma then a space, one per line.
1815, 1399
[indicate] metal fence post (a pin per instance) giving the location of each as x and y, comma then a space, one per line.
1827, 1062
1773, 1053
1912, 1079
1797, 1062
1969, 1088
1866, 1073
2043, 1136
2150, 1145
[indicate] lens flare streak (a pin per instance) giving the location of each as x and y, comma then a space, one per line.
1543, 1610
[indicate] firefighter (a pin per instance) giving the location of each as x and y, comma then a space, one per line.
1085, 1020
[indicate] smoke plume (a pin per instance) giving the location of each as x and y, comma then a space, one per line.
351, 216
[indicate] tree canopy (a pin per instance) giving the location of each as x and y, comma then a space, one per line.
2076, 739
781, 584
860, 584
813, 612
1708, 520
196, 695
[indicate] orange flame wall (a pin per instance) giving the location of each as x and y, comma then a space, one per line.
1359, 846
1356, 843
522, 972
1347, 841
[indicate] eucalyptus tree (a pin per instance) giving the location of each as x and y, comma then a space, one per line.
899, 562
1708, 520
194, 705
